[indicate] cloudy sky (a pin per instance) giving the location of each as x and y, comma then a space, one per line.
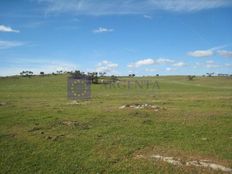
145, 37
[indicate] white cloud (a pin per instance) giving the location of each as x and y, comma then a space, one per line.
164, 61
141, 63
151, 70
102, 30
170, 69
149, 61
105, 7
106, 66
179, 64
36, 66
225, 53
228, 64
211, 64
4, 28
10, 44
147, 17
201, 53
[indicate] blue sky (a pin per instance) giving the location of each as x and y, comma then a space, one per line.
144, 37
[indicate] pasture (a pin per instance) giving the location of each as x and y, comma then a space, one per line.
41, 131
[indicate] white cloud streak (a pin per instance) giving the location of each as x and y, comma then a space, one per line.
10, 44
170, 69
141, 63
147, 17
201, 53
4, 28
179, 64
103, 30
106, 7
106, 66
36, 66
149, 61
225, 53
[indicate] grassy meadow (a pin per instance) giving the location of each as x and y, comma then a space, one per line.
41, 131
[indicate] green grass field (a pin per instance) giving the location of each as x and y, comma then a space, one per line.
42, 132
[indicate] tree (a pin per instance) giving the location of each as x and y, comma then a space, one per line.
94, 77
210, 74
26, 73
102, 74
77, 74
131, 75
114, 78
190, 77
41, 73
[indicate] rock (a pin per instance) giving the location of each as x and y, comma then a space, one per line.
196, 163
2, 103
122, 107
204, 139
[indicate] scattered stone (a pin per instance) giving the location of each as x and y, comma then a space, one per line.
139, 157
142, 106
70, 123
195, 163
2, 103
169, 160
204, 139
122, 107
74, 102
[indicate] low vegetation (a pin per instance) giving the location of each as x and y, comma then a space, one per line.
41, 131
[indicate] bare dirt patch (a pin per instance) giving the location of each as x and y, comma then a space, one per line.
55, 137
75, 124
34, 129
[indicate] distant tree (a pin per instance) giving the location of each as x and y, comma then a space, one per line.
59, 72
210, 74
41, 73
190, 77
114, 78
94, 77
131, 75
102, 74
157, 75
26, 73
77, 74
